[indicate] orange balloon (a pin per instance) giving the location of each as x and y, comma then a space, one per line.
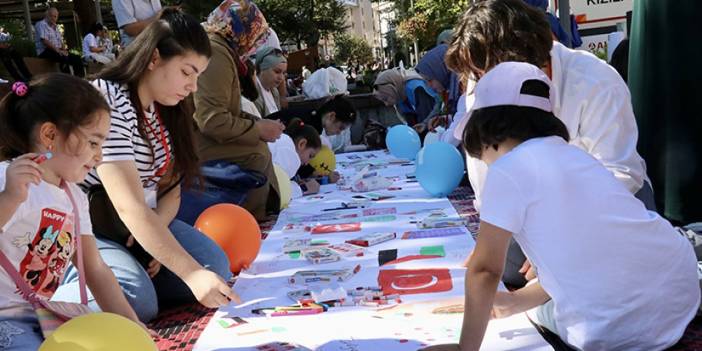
235, 230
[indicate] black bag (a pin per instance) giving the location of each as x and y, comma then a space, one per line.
108, 225
374, 135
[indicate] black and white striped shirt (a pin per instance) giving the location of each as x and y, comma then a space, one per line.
124, 143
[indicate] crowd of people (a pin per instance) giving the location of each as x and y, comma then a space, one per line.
96, 170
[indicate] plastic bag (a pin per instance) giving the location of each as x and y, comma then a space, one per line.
325, 82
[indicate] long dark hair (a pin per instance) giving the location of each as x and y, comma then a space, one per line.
174, 34
64, 100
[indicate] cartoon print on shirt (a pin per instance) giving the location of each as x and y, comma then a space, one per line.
57, 263
43, 265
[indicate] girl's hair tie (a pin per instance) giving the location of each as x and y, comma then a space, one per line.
20, 89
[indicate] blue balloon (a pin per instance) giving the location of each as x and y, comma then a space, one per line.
439, 168
403, 142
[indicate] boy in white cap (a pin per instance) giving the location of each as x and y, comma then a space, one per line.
611, 274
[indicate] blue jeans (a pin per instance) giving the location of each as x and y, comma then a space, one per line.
144, 294
20, 333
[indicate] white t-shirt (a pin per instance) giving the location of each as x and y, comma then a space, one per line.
39, 240
89, 42
131, 11
620, 276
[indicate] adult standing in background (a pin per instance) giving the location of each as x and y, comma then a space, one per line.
224, 132
133, 16
50, 46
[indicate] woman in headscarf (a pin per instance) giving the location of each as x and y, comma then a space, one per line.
225, 133
409, 93
271, 66
433, 68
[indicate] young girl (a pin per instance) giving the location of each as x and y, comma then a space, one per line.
148, 149
51, 134
611, 274
295, 148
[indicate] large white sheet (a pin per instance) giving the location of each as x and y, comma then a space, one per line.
405, 327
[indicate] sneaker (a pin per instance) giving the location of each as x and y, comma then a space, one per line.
4, 81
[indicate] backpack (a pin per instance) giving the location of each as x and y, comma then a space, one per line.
374, 135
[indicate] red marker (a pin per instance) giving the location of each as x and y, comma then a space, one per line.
43, 157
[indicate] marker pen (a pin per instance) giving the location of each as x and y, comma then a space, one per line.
43, 157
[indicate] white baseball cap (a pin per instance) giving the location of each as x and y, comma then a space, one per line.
504, 86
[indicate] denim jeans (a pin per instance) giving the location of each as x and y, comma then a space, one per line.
144, 294
20, 333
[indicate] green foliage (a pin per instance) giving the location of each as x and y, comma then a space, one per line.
427, 19
19, 40
304, 21
350, 48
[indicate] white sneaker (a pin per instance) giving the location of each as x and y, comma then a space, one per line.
4, 81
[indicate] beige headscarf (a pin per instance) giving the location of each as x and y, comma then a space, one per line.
389, 87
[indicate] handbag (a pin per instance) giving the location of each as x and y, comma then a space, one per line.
108, 225
52, 314
374, 135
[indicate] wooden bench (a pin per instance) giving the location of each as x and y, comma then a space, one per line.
40, 66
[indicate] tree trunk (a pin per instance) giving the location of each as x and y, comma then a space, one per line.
85, 9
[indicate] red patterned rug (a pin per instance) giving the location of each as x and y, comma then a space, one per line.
180, 328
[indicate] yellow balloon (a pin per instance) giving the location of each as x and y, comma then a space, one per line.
324, 163
99, 331
283, 186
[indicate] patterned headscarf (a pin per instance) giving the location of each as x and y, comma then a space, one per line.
240, 22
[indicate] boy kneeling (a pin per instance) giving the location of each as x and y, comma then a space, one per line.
611, 275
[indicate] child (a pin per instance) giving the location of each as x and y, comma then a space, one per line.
295, 148
51, 134
332, 118
611, 275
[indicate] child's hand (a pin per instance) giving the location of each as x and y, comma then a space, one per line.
334, 177
21, 172
312, 187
